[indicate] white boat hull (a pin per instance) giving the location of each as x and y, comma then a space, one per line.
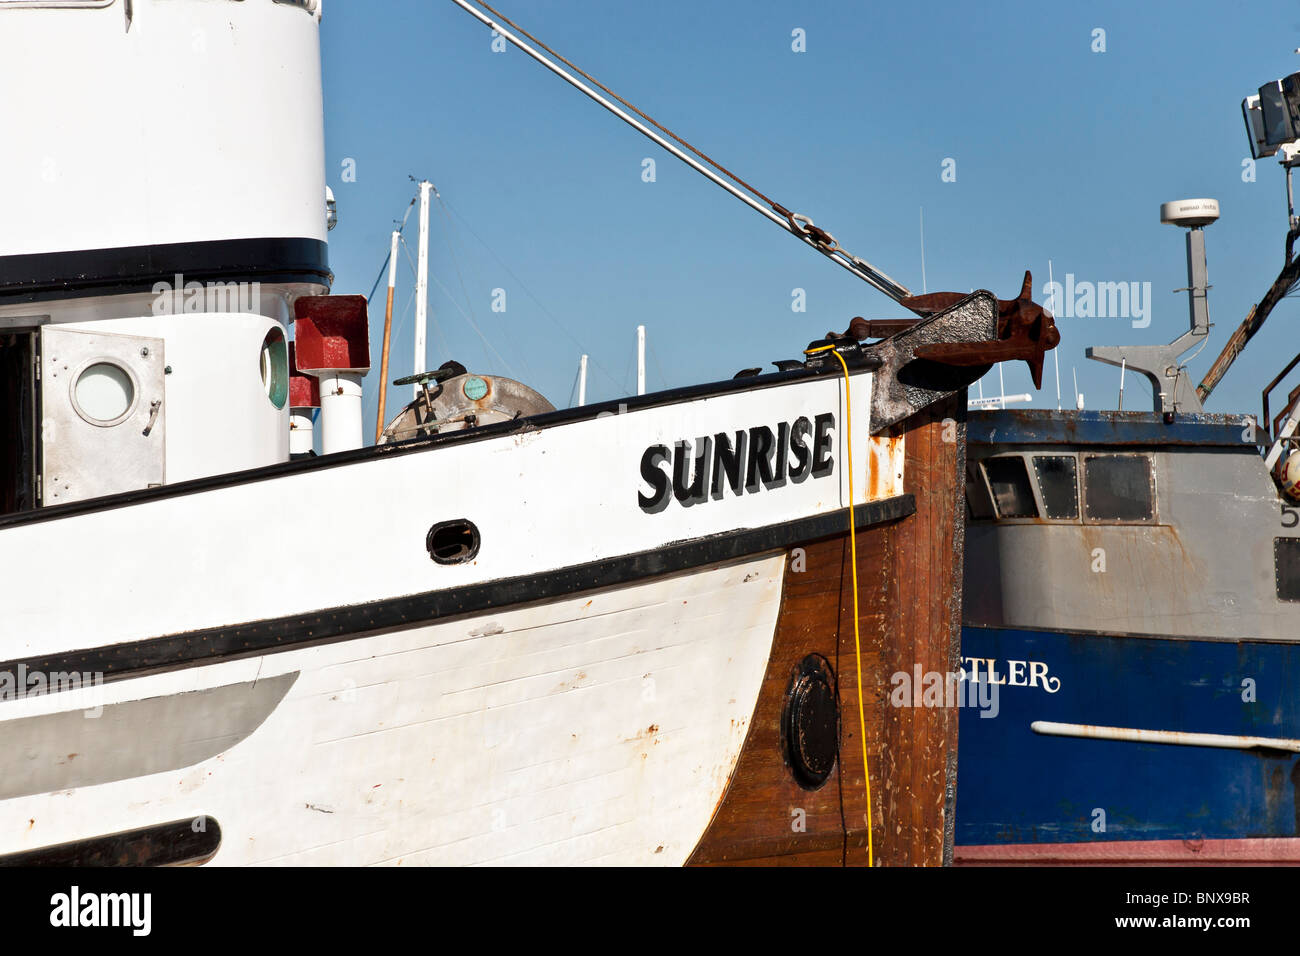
577, 692
600, 728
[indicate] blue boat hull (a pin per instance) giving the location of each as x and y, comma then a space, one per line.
1016, 786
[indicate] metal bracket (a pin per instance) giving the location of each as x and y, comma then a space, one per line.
906, 382
1171, 387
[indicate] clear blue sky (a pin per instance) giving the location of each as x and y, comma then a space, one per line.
1061, 153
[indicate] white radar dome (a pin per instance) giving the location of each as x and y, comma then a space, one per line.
1189, 212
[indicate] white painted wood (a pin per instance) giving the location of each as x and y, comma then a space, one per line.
220, 107
542, 499
598, 729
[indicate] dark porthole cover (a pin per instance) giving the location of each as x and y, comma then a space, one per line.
453, 542
810, 723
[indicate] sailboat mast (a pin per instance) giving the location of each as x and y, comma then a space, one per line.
388, 334
422, 285
582, 381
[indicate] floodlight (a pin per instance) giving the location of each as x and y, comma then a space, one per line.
1279, 103
1254, 117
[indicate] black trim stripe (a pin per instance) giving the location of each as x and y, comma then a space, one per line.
182, 842
176, 651
56, 275
566, 416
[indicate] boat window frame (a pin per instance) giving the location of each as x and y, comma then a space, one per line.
1040, 511
1033, 457
1084, 518
978, 481
1282, 586
1081, 487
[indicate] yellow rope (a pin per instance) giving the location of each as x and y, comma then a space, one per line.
853, 554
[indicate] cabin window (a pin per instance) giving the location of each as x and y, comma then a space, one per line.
1118, 488
1058, 483
1009, 482
979, 503
1286, 568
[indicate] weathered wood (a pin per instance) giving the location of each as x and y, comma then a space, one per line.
909, 594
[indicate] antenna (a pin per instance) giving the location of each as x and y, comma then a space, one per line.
640, 359
582, 381
979, 404
1056, 360
924, 288
1078, 397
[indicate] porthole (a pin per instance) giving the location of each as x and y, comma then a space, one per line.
104, 393
274, 367
810, 723
453, 542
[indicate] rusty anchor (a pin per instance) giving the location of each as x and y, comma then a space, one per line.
1025, 331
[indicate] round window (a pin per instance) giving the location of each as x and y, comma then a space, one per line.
274, 362
104, 393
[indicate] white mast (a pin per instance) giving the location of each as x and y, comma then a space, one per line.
924, 287
640, 359
1056, 361
422, 284
582, 381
